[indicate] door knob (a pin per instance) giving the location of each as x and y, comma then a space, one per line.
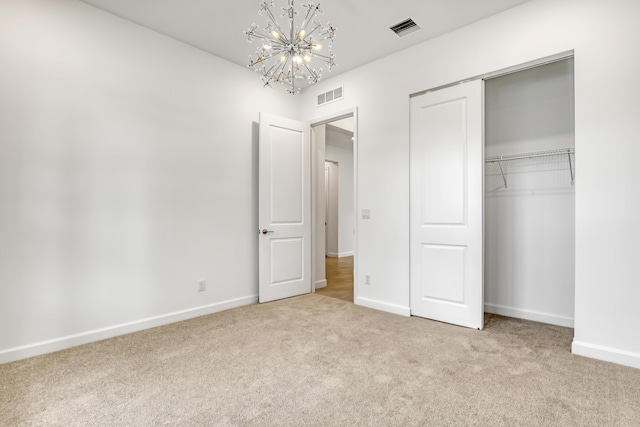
265, 231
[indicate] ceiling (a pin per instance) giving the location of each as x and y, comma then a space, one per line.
344, 124
362, 34
339, 137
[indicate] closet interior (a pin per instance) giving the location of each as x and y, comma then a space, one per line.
530, 179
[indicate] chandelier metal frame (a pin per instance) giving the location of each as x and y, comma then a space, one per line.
284, 57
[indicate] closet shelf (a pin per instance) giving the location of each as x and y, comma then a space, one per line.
531, 155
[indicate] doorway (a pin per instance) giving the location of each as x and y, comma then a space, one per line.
291, 204
335, 208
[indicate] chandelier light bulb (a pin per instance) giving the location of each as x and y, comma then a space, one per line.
288, 51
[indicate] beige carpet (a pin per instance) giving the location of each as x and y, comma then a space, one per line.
315, 360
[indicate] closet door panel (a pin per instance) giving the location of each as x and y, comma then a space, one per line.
443, 195
443, 273
446, 205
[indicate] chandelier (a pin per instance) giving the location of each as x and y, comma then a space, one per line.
287, 52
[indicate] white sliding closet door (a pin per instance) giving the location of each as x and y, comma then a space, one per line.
446, 205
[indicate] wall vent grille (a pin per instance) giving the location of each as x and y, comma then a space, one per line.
405, 27
331, 96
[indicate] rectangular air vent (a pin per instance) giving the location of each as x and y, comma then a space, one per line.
405, 27
331, 96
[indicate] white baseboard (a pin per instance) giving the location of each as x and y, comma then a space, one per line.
49, 346
320, 284
339, 254
536, 316
383, 306
607, 354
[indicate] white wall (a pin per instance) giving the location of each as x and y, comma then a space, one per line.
128, 167
530, 110
344, 159
606, 130
529, 225
332, 190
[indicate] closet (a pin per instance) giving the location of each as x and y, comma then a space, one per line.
529, 205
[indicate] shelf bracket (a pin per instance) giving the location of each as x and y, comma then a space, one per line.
571, 166
504, 178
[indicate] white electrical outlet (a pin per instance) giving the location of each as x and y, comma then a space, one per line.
367, 279
366, 213
202, 285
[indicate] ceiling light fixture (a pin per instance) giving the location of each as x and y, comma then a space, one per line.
286, 52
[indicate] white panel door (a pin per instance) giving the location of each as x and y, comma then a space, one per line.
284, 217
447, 205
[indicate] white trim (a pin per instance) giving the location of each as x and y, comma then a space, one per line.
323, 120
356, 152
607, 354
536, 316
383, 306
320, 284
315, 253
56, 344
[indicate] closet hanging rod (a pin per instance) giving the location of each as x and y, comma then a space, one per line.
530, 155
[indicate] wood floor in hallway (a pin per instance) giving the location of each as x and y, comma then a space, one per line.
339, 279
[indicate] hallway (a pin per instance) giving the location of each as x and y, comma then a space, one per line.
339, 279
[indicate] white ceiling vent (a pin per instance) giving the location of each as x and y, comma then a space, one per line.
405, 27
331, 96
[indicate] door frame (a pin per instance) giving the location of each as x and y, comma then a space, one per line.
503, 71
319, 175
